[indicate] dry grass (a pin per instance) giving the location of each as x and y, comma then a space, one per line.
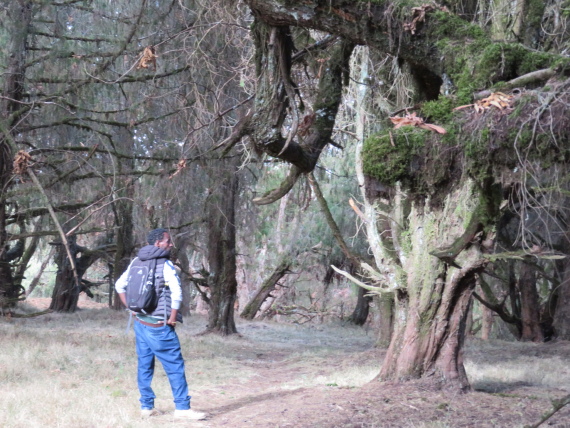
79, 370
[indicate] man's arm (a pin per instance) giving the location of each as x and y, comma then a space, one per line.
121, 286
173, 282
123, 297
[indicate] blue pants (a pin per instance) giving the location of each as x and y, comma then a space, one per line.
162, 343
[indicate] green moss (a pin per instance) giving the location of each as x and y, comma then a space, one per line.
388, 157
519, 107
406, 241
450, 25
438, 111
534, 12
474, 62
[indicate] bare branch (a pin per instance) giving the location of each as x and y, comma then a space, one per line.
282, 190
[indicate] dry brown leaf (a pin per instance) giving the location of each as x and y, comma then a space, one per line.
148, 58
356, 209
431, 127
496, 99
413, 120
179, 167
306, 123
419, 14
462, 107
22, 161
496, 104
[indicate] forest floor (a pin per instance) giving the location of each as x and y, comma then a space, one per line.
278, 375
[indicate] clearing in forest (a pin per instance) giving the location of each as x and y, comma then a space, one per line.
79, 370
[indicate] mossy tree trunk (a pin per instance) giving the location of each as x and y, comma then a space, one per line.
433, 297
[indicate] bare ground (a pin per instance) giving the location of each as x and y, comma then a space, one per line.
275, 395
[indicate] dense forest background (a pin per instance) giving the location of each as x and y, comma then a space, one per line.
392, 164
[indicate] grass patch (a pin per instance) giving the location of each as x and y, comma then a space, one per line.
79, 370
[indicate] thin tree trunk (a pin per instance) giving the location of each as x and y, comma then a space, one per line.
125, 242
362, 308
265, 290
66, 290
530, 307
386, 301
486, 322
222, 251
562, 314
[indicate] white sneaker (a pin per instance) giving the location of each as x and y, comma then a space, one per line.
147, 413
189, 414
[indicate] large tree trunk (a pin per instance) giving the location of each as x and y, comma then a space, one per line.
20, 15
123, 205
431, 346
222, 250
265, 290
432, 304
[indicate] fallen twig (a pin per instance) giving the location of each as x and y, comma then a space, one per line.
556, 406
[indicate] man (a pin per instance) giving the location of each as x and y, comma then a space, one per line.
154, 338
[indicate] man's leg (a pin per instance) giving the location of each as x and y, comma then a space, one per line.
169, 354
145, 366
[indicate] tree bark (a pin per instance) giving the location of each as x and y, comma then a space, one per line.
386, 320
430, 345
222, 250
562, 314
125, 241
486, 322
20, 15
362, 308
66, 290
530, 307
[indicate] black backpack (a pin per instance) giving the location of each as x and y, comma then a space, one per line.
141, 292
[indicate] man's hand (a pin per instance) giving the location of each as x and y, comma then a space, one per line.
172, 319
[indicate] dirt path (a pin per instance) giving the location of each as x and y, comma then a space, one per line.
375, 404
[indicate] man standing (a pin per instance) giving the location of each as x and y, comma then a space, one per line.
154, 337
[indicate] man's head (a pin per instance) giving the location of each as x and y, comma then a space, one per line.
159, 238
